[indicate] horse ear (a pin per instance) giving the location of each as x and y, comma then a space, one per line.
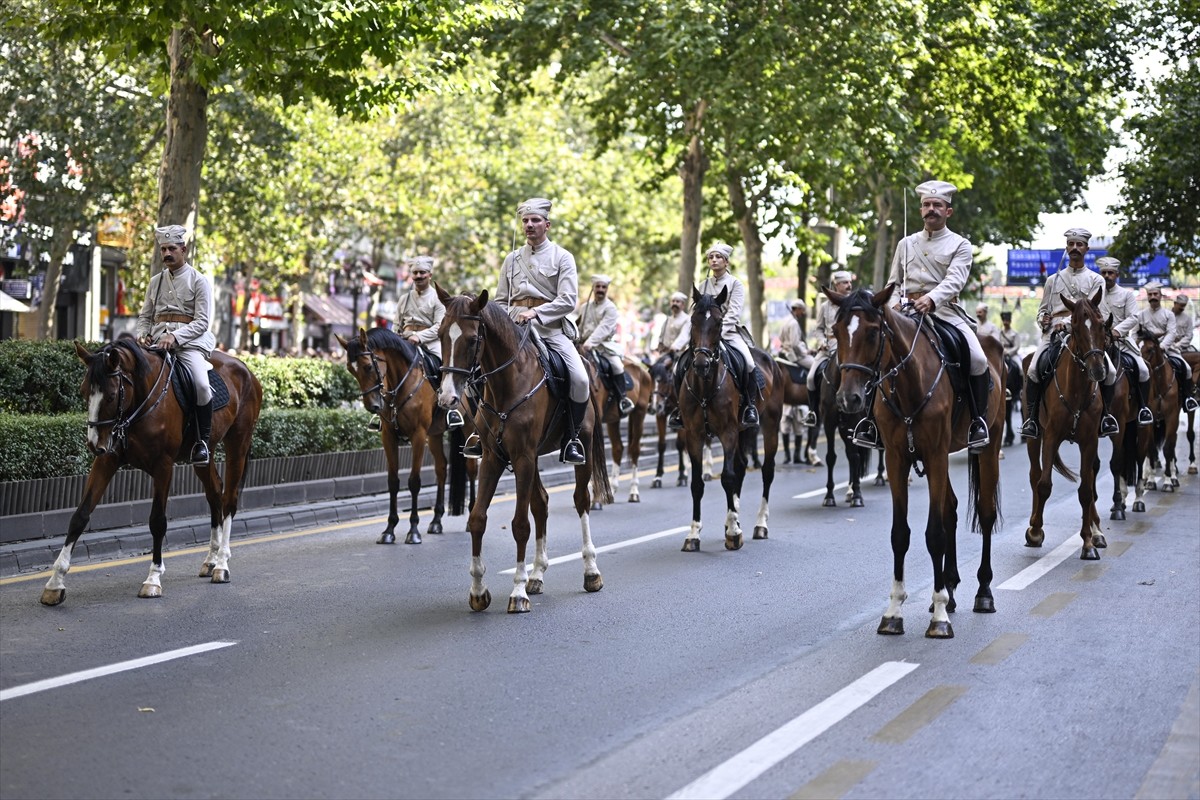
344, 343
722, 296
442, 294
113, 358
880, 300
1068, 302
84, 354
362, 338
483, 298
695, 294
834, 297
1097, 297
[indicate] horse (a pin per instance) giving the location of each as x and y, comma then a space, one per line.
1013, 389
1162, 471
896, 363
135, 418
795, 394
518, 418
1132, 443
611, 416
663, 402
1070, 410
838, 424
708, 401
1192, 357
392, 378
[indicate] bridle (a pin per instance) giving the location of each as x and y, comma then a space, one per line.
388, 397
122, 422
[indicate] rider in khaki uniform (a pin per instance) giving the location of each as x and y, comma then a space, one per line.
1121, 304
1159, 322
419, 317
598, 318
673, 325
176, 316
794, 349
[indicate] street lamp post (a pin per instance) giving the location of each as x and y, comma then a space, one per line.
352, 281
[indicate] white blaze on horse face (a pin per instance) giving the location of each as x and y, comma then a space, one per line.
851, 327
94, 416
449, 393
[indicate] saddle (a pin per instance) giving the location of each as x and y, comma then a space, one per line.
558, 376
185, 390
604, 369
1049, 358
433, 366
797, 373
1128, 364
953, 345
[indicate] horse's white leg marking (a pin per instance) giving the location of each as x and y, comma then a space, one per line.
708, 460
616, 476
477, 572
940, 599
763, 513
58, 577
94, 415
541, 561
896, 600
588, 550
221, 556
633, 480
155, 576
519, 577
694, 531
732, 526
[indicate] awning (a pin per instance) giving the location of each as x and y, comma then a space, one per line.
328, 310
10, 303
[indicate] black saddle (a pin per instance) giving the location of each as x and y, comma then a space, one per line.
604, 369
1177, 364
797, 373
955, 352
558, 377
1128, 364
185, 390
432, 364
1049, 359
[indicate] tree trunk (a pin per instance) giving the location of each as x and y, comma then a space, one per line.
60, 243
695, 164
802, 264
883, 212
745, 215
187, 133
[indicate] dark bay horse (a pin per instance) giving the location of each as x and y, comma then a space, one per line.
1016, 383
662, 403
134, 418
636, 422
1162, 471
896, 361
518, 418
838, 424
709, 401
1131, 445
1070, 411
391, 376
1192, 357
795, 394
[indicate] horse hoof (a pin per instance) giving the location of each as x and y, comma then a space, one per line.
52, 597
1191, 469
939, 630
206, 570
1117, 514
985, 604
691, 545
733, 542
829, 502
1099, 541
533, 586
435, 528
413, 537
481, 602
1139, 506
681, 482
150, 590
518, 605
1089, 554
881, 481
220, 576
633, 498
856, 502
387, 537
596, 506
1168, 487
891, 626
593, 583
1034, 538
760, 532
1151, 486
656, 484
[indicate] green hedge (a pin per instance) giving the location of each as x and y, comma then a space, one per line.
50, 446
43, 377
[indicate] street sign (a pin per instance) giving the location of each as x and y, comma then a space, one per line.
1032, 267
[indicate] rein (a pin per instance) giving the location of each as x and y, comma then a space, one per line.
715, 356
122, 423
1081, 365
389, 397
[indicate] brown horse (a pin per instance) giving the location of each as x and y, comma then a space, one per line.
709, 401
1162, 471
518, 418
795, 394
1070, 411
900, 362
134, 418
1192, 357
1131, 445
391, 375
610, 413
662, 403
838, 424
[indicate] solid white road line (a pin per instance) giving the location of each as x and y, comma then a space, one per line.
98, 672
722, 781
816, 492
1043, 565
614, 546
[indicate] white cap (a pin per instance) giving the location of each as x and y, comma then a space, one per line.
1182, 299
937, 190
680, 296
538, 206
606, 280
981, 307
721, 249
171, 234
421, 262
842, 275
797, 303
1079, 235
1107, 262
1153, 286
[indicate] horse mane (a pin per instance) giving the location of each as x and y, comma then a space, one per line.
705, 304
384, 339
859, 300
499, 322
97, 370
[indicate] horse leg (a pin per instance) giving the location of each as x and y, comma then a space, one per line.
857, 456
593, 581
1040, 482
489, 476
414, 487
618, 458
830, 462
391, 450
1171, 470
770, 448
731, 482
892, 623
99, 476
691, 542
681, 453
216, 563
939, 531
152, 586
986, 497
661, 423
636, 422
237, 460
539, 505
880, 472
440, 464
1191, 437
1087, 499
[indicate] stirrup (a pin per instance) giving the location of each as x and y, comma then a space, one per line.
572, 453
1145, 416
454, 418
977, 435
810, 419
626, 406
1030, 429
866, 434
1190, 404
749, 418
201, 453
375, 423
675, 421
473, 447
1108, 425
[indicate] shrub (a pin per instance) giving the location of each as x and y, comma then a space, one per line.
42, 377
303, 382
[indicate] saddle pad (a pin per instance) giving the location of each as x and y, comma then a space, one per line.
1049, 358
958, 355
181, 382
797, 373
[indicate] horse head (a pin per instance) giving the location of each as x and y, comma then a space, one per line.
381, 361
1088, 335
661, 373
366, 367
708, 313
113, 385
861, 333
463, 342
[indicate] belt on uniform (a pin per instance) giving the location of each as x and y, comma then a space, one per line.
528, 302
915, 296
416, 328
173, 318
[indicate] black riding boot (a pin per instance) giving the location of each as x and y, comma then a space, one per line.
1189, 400
573, 452
1030, 429
1108, 423
787, 448
200, 452
1145, 415
977, 432
814, 403
625, 405
749, 392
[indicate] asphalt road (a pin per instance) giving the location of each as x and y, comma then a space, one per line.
342, 668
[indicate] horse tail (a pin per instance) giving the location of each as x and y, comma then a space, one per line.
601, 487
1064, 470
1129, 454
975, 494
458, 473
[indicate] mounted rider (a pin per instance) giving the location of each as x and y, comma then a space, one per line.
1159, 323
176, 317
1077, 282
598, 318
932, 266
418, 319
1185, 323
1121, 304
843, 282
984, 326
669, 340
794, 350
732, 333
